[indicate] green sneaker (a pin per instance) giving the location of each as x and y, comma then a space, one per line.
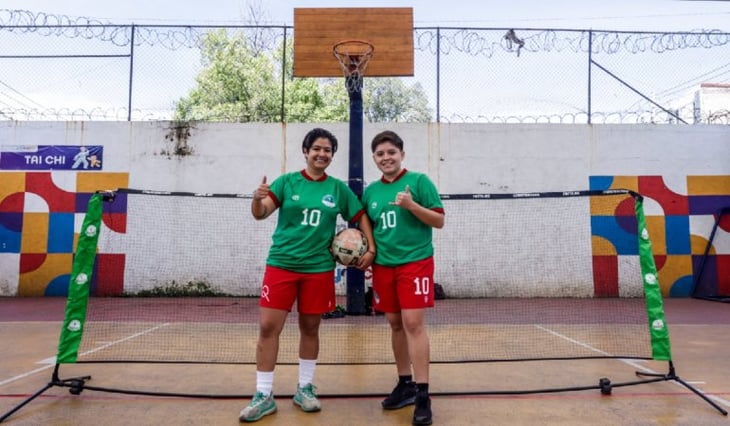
261, 405
306, 399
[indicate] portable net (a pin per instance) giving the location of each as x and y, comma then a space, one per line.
536, 277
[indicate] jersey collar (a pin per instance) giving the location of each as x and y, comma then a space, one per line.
307, 177
400, 175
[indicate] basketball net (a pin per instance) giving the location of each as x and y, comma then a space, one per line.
354, 56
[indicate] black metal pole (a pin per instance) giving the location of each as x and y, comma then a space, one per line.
283, 79
26, 401
590, 65
355, 277
438, 74
131, 73
672, 375
54, 381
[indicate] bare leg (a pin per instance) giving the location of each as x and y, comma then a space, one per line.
309, 336
271, 322
399, 343
418, 345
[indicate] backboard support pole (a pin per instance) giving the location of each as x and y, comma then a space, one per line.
355, 277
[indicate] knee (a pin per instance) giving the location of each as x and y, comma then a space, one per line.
269, 329
309, 331
413, 328
309, 327
396, 326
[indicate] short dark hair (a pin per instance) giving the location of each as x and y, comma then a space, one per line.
315, 134
387, 136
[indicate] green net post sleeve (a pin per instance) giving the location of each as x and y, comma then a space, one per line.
78, 287
660, 346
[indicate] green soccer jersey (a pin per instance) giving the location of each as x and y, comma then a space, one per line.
400, 237
307, 219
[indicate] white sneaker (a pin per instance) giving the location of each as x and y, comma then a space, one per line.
306, 399
261, 405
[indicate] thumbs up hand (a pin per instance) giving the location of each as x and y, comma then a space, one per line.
262, 191
404, 199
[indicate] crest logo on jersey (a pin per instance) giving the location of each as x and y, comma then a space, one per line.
328, 200
374, 205
295, 197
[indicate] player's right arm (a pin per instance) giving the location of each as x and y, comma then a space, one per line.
262, 205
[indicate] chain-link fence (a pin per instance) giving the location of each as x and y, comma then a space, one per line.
72, 71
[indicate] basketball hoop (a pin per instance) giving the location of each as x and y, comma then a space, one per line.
353, 56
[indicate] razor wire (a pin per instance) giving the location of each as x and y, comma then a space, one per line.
480, 42
470, 40
625, 117
453, 49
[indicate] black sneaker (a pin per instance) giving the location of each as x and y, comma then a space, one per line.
403, 394
422, 413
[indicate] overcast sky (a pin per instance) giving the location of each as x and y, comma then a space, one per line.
634, 15
27, 87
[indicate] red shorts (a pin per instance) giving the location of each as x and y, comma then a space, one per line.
314, 292
408, 286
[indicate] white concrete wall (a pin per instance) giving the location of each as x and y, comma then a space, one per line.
460, 158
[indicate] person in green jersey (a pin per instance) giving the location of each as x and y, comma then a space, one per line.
300, 266
404, 207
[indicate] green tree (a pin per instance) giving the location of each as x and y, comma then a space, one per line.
388, 99
240, 82
235, 84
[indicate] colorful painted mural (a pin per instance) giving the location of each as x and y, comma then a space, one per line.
40, 213
679, 226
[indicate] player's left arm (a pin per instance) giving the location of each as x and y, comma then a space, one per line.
433, 217
367, 228
354, 205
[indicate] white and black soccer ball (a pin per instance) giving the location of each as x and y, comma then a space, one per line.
348, 246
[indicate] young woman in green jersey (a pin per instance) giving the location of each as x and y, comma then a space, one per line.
404, 207
299, 265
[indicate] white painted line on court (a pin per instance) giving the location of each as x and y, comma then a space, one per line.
133, 336
632, 363
52, 360
564, 337
718, 399
26, 374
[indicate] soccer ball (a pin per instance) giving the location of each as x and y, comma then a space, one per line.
348, 246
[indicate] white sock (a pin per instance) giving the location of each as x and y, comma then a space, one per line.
306, 371
264, 382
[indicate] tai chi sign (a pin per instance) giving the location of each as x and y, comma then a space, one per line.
51, 157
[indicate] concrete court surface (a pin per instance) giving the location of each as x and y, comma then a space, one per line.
700, 347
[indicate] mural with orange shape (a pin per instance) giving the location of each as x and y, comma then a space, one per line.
613, 229
37, 224
710, 195
108, 278
605, 267
673, 241
12, 201
44, 274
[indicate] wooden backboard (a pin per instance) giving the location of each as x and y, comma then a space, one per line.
388, 29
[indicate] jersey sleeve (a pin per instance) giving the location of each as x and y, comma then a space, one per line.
351, 208
277, 189
430, 197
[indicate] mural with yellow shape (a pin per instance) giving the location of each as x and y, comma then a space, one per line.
679, 226
40, 214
